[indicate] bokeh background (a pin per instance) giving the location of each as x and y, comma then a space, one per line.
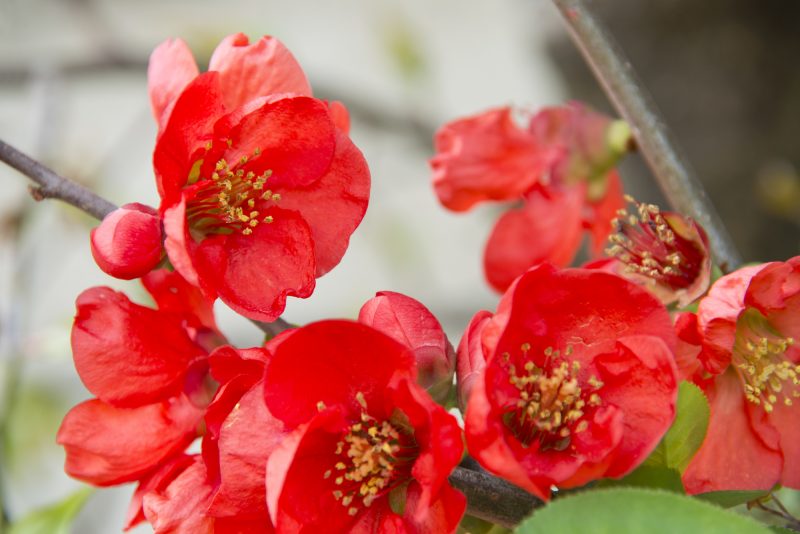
73, 94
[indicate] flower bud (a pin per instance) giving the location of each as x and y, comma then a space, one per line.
409, 322
128, 242
471, 357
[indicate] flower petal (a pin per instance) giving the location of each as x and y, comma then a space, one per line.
484, 157
174, 294
180, 507
107, 445
339, 359
471, 360
547, 228
171, 69
248, 71
732, 456
334, 205
126, 354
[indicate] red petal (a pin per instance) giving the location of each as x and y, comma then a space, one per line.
553, 307
733, 456
484, 433
297, 491
471, 360
409, 322
156, 481
253, 274
180, 508
339, 115
174, 294
171, 69
546, 228
247, 71
484, 157
689, 345
334, 205
107, 445
785, 420
438, 436
246, 438
127, 354
640, 379
443, 515
339, 359
296, 137
183, 138
228, 362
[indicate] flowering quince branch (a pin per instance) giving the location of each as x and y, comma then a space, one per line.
673, 173
52, 185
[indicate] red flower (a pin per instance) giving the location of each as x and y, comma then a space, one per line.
127, 244
748, 324
260, 190
147, 369
370, 451
561, 166
665, 251
579, 380
410, 323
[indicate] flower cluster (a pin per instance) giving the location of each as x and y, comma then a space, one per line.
343, 425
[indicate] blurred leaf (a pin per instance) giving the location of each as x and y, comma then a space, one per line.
633, 511
687, 432
729, 499
473, 525
648, 476
55, 519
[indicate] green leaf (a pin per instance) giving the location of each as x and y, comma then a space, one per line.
729, 499
473, 525
687, 432
55, 519
633, 511
647, 476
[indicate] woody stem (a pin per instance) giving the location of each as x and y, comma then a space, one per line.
672, 171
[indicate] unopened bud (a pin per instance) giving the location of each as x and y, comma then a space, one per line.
128, 242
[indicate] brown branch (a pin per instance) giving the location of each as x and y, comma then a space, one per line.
672, 171
52, 185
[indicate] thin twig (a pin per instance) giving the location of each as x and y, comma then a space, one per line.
493, 499
274, 328
51, 185
672, 171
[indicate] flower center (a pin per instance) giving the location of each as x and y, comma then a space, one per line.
552, 403
649, 245
373, 457
760, 355
232, 198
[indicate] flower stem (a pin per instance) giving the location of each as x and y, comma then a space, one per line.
672, 171
51, 185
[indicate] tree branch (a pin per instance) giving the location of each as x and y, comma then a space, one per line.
493, 499
672, 171
51, 185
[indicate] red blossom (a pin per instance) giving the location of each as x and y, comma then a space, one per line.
747, 326
409, 322
665, 251
147, 368
366, 438
560, 166
260, 189
579, 380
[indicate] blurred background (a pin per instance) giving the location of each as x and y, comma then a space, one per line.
73, 94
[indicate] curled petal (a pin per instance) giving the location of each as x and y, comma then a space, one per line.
263, 68
471, 360
547, 228
106, 445
171, 69
127, 354
484, 157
